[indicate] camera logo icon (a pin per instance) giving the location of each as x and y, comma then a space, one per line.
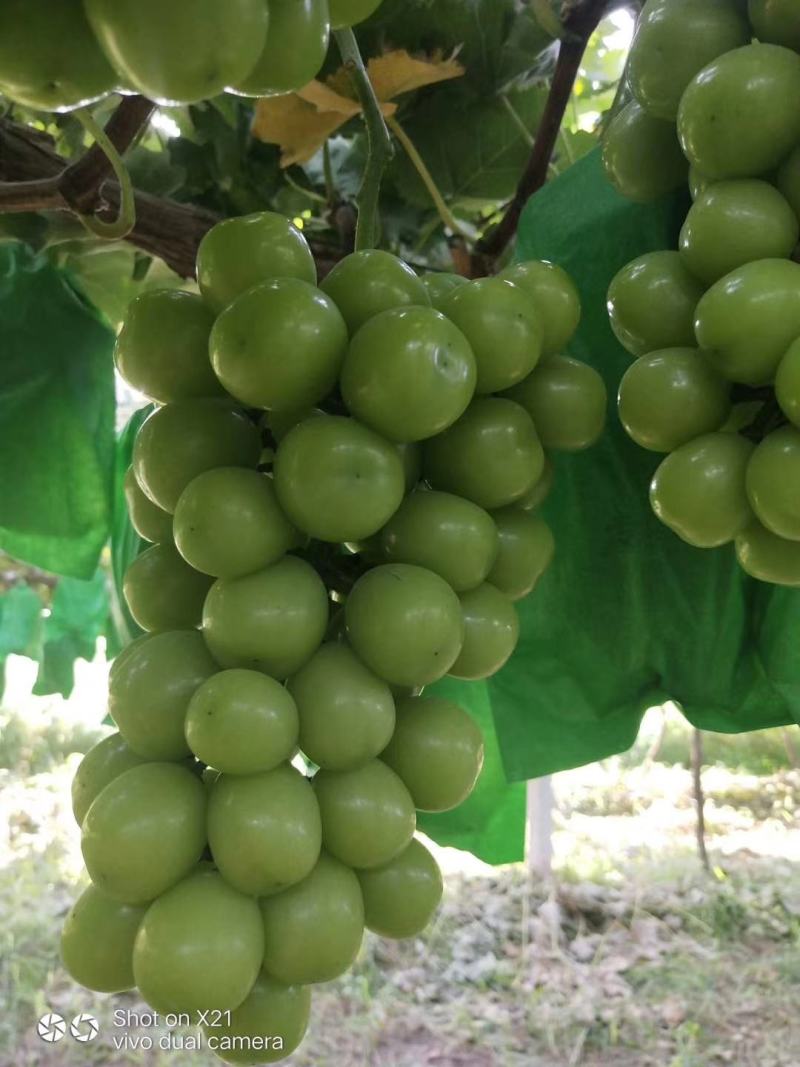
84, 1028
51, 1027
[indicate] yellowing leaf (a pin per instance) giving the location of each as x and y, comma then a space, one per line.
397, 72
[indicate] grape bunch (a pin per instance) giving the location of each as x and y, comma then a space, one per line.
340, 486
715, 325
56, 55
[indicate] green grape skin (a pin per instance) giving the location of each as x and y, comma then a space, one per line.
787, 383
767, 557
179, 441
365, 283
699, 489
367, 814
674, 41
698, 183
437, 752
199, 946
439, 285
149, 692
555, 297
104, 762
264, 830
405, 623
411, 457
149, 521
145, 831
239, 253
162, 348
540, 490
280, 422
491, 632
776, 22
401, 897
350, 12
641, 155
736, 222
97, 941
49, 59
448, 534
721, 120
567, 401
181, 52
242, 722
773, 474
526, 549
503, 328
669, 397
337, 480
346, 712
314, 929
279, 346
272, 621
409, 373
163, 592
228, 523
492, 455
748, 319
652, 302
297, 41
788, 180
268, 1026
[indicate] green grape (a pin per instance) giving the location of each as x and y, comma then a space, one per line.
526, 547
492, 455
449, 535
401, 897
787, 383
97, 941
773, 474
409, 373
242, 252
491, 632
540, 490
242, 722
163, 592
555, 297
279, 346
149, 520
150, 690
737, 118
367, 814
266, 1027
567, 401
181, 52
674, 40
651, 303
200, 946
180, 441
365, 283
271, 621
736, 222
280, 422
228, 523
669, 397
145, 831
104, 762
314, 929
411, 458
264, 830
49, 59
351, 12
699, 490
698, 183
641, 155
346, 712
162, 349
764, 555
437, 751
788, 179
297, 40
405, 623
338, 480
776, 22
503, 327
748, 319
439, 285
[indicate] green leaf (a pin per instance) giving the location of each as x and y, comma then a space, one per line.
20, 616
77, 617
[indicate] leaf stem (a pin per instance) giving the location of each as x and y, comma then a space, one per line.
445, 214
516, 118
379, 144
126, 216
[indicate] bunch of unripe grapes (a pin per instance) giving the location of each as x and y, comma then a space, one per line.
715, 325
340, 484
57, 55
